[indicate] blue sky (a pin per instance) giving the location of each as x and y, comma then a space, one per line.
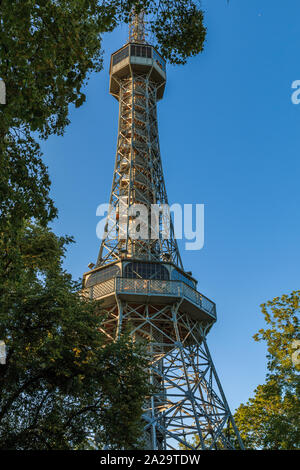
230, 139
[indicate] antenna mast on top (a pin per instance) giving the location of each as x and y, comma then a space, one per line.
137, 28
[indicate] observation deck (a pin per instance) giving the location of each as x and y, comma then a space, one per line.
137, 59
174, 285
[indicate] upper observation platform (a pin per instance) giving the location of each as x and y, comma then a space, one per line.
137, 59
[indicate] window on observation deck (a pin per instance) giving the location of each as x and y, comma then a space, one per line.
138, 50
159, 60
102, 275
137, 270
178, 276
121, 55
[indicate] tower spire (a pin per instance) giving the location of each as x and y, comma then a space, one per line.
137, 32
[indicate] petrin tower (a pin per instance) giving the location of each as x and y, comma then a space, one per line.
141, 281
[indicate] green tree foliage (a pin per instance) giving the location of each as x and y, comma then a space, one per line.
270, 420
62, 385
181, 32
24, 181
48, 48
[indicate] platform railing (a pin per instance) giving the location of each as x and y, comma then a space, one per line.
122, 285
166, 288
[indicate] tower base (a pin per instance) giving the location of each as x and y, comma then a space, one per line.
189, 409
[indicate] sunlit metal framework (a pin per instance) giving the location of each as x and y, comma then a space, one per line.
141, 282
138, 176
137, 32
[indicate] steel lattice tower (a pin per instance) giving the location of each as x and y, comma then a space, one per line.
142, 283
